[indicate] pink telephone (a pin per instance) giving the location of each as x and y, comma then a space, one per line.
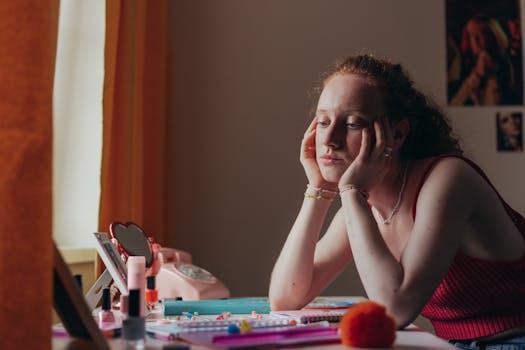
176, 276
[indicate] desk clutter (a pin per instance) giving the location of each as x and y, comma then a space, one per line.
204, 314
229, 323
210, 327
363, 324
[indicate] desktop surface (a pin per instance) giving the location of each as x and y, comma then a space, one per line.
411, 338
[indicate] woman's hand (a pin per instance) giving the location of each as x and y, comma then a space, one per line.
309, 160
485, 65
482, 62
374, 159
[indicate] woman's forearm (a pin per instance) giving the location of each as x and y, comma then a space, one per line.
380, 272
292, 275
468, 89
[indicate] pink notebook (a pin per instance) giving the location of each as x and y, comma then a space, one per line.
275, 337
309, 316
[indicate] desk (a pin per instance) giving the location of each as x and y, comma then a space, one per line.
411, 338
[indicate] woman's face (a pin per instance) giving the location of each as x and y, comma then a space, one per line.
348, 103
509, 124
477, 34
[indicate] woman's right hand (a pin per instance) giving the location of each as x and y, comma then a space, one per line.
309, 160
484, 64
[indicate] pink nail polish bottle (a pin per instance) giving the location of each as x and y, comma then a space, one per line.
106, 316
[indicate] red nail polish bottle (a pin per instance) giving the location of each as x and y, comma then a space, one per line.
152, 295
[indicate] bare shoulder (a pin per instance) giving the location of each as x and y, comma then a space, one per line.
452, 166
451, 173
460, 192
448, 187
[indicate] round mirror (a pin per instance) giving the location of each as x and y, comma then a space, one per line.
132, 240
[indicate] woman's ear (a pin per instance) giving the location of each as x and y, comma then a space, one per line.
400, 132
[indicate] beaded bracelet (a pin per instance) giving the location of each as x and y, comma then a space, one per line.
308, 195
319, 193
349, 187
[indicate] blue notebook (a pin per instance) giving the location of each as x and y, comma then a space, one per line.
174, 307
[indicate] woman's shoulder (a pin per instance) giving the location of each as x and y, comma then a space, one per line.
451, 170
447, 164
451, 178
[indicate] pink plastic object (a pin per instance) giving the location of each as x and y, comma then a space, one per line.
179, 279
169, 255
124, 303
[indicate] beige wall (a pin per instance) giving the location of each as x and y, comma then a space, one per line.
242, 72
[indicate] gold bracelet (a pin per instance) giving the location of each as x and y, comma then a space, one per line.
317, 197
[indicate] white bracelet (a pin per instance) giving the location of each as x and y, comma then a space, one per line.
349, 187
321, 190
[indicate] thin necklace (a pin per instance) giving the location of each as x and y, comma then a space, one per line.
399, 197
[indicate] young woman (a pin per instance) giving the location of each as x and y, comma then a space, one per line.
427, 231
508, 126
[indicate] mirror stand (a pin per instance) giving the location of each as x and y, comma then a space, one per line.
94, 294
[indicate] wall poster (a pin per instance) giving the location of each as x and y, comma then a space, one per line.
484, 53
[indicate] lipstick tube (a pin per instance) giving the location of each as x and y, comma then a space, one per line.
137, 279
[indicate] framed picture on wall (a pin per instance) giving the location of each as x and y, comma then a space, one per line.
484, 53
509, 131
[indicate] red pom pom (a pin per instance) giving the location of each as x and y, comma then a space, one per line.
366, 325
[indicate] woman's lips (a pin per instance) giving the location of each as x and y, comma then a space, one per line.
331, 160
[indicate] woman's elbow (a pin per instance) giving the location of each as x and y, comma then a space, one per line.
277, 300
277, 304
402, 316
402, 323
285, 302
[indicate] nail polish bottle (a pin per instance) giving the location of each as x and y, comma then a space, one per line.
134, 326
152, 296
137, 279
106, 316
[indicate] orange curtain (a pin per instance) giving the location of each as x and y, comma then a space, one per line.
27, 61
136, 150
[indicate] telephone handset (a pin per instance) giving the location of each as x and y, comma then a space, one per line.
176, 276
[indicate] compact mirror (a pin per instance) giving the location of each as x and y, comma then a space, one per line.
132, 240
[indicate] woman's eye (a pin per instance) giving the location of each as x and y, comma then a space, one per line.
323, 124
354, 126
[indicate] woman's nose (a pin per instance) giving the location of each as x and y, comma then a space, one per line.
334, 136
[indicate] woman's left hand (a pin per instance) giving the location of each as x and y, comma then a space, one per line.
374, 159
